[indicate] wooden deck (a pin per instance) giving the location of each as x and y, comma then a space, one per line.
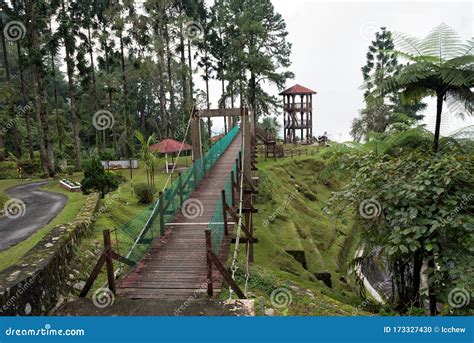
175, 268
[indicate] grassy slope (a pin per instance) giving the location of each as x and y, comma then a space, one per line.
67, 214
289, 191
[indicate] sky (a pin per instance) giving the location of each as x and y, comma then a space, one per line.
330, 41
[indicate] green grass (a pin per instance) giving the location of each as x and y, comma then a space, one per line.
67, 214
291, 195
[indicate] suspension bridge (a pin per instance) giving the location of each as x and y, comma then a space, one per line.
183, 247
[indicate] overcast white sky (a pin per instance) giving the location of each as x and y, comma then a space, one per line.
330, 41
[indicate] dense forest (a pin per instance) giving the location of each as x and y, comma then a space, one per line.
79, 78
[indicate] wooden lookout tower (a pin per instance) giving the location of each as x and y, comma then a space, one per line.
298, 114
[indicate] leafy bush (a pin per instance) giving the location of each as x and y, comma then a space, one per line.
107, 155
8, 170
95, 178
30, 167
70, 170
144, 193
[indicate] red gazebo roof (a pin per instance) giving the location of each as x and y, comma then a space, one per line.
168, 146
297, 89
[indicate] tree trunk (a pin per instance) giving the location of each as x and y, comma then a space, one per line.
6, 64
169, 60
208, 105
94, 87
223, 100
109, 91
72, 93
183, 74
37, 72
125, 97
26, 106
190, 66
55, 94
439, 111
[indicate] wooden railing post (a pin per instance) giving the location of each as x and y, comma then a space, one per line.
108, 260
233, 188
210, 289
161, 200
224, 210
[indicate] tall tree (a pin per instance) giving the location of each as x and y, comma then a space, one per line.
68, 29
261, 53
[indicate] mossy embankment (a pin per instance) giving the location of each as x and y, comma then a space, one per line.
291, 221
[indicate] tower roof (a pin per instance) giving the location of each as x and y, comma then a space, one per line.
297, 89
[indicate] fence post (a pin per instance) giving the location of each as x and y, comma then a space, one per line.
210, 289
161, 200
108, 260
224, 210
233, 189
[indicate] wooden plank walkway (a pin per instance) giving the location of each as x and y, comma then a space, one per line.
175, 268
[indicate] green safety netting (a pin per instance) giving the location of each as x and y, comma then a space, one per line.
217, 221
137, 236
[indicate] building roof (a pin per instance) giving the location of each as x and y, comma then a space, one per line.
168, 146
297, 89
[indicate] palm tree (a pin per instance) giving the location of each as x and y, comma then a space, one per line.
147, 156
270, 125
439, 65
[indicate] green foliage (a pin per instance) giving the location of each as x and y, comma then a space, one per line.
8, 170
440, 65
270, 125
415, 206
144, 193
96, 179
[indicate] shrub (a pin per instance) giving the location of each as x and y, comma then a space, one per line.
107, 155
95, 178
144, 193
30, 167
70, 170
8, 170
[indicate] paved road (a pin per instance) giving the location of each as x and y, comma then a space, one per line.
40, 208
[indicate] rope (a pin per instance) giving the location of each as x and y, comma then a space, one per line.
239, 226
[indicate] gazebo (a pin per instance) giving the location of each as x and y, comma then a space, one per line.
169, 146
